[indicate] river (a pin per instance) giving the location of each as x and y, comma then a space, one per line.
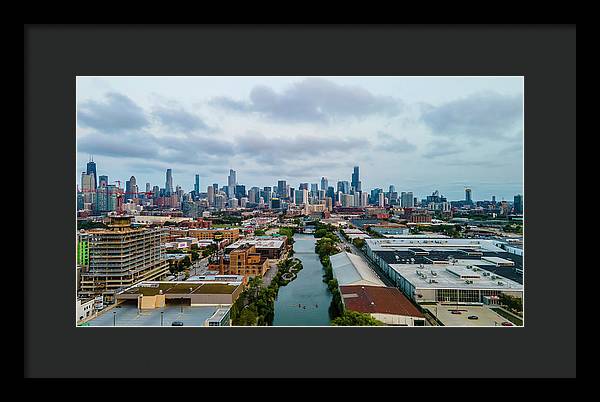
308, 290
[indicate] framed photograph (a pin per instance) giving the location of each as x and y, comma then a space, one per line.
307, 192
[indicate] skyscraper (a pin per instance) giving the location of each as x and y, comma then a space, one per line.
197, 185
103, 181
381, 199
211, 195
87, 187
240, 191
281, 188
356, 179
314, 188
169, 183
231, 182
91, 169
468, 198
324, 183
343, 186
518, 204
147, 187
406, 200
303, 186
133, 190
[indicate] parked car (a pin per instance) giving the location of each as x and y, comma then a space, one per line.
177, 324
455, 312
507, 324
473, 317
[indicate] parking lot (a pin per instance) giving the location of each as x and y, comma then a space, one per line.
485, 316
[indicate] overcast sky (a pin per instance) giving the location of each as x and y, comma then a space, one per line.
420, 134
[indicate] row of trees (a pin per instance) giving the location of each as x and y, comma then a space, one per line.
512, 303
359, 243
176, 266
90, 225
327, 245
451, 230
354, 318
289, 233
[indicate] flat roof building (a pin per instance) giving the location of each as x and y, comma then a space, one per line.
153, 294
448, 270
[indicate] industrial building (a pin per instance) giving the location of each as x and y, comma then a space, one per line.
155, 294
385, 304
448, 270
350, 269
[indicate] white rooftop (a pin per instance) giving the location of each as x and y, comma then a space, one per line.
350, 269
453, 276
430, 242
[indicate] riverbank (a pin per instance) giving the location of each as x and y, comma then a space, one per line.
305, 300
256, 305
326, 246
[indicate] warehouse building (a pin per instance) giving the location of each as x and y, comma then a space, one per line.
448, 270
350, 269
385, 304
156, 294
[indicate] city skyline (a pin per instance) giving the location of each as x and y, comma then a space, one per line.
204, 186
419, 134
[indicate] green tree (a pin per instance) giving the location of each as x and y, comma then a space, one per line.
359, 243
354, 318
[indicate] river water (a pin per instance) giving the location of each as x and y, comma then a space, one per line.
308, 290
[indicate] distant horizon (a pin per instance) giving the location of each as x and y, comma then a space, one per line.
204, 185
419, 134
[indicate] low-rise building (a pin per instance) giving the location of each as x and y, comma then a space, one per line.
350, 269
448, 270
85, 308
153, 294
385, 304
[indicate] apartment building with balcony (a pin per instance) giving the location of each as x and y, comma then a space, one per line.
121, 256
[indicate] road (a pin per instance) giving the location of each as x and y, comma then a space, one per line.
199, 267
375, 268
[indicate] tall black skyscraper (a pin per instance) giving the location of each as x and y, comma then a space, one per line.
355, 185
91, 168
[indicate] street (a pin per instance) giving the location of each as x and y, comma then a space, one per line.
199, 267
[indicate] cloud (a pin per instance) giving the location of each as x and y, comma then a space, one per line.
274, 150
482, 115
186, 149
312, 100
132, 145
179, 119
115, 113
480, 163
389, 143
441, 148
